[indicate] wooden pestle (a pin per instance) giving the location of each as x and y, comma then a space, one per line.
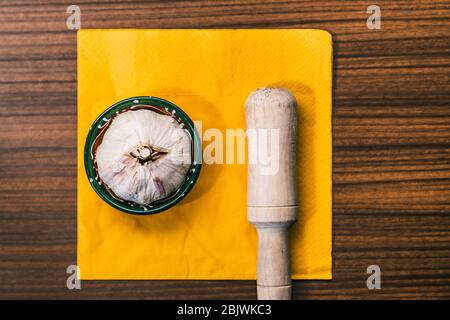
272, 197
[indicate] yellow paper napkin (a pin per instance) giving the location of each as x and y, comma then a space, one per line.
208, 73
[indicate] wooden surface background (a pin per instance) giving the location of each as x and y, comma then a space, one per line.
391, 126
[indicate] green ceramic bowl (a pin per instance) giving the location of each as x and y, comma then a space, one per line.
94, 138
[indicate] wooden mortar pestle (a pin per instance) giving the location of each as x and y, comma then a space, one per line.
272, 196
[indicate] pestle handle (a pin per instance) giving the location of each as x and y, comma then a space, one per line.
273, 271
272, 199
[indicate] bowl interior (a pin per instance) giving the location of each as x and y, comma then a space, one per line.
95, 135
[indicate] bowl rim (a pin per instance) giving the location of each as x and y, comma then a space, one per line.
96, 183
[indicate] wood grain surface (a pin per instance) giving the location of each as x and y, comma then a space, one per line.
391, 138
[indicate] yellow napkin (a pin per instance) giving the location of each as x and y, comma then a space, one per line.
208, 73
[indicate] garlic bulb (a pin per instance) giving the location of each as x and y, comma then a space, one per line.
144, 156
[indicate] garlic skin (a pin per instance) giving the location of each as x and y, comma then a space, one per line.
144, 156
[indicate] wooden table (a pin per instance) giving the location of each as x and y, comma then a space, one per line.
391, 126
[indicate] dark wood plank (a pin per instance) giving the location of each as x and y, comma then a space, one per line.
391, 138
